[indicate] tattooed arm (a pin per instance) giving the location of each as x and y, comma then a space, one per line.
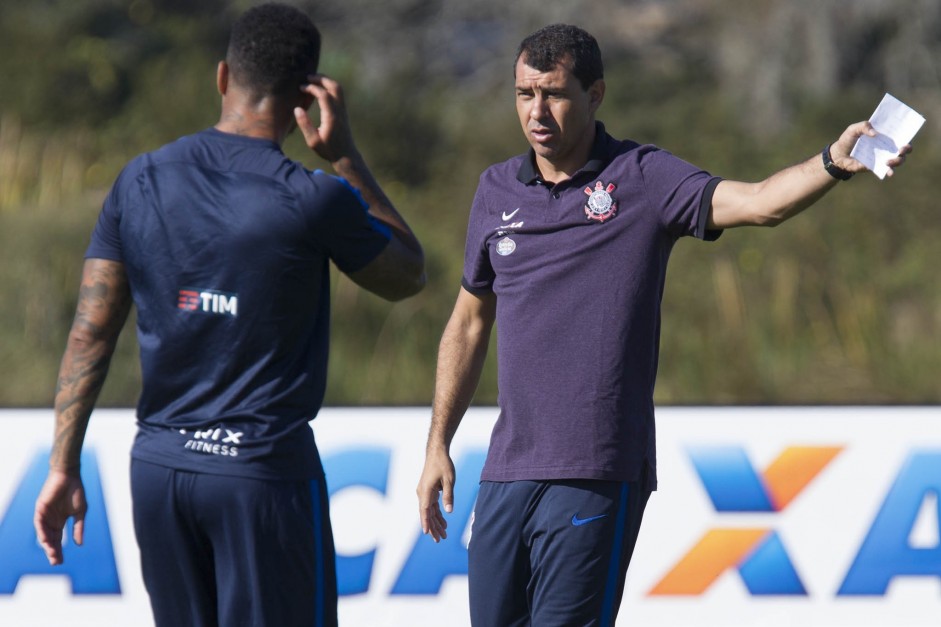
103, 306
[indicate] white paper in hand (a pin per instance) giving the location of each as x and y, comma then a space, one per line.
896, 124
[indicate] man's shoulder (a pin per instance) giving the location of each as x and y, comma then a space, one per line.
629, 149
503, 170
629, 156
170, 151
183, 143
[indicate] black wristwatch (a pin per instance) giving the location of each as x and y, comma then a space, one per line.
833, 169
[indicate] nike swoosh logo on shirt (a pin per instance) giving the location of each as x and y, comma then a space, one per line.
578, 522
507, 216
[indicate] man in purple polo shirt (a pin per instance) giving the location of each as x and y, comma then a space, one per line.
567, 251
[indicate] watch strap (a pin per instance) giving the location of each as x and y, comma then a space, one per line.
833, 169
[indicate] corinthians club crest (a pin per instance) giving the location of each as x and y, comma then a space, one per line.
600, 205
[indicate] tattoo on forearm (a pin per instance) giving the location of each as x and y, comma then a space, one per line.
103, 306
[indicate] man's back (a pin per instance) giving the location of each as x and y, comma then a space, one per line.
226, 243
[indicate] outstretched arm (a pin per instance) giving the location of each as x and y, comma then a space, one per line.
399, 270
103, 306
461, 357
790, 191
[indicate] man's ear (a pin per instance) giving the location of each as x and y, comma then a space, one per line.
596, 94
222, 77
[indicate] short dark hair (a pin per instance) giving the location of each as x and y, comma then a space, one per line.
556, 43
272, 49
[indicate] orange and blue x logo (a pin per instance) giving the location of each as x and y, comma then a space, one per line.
758, 554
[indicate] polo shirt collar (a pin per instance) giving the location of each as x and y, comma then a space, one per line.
597, 159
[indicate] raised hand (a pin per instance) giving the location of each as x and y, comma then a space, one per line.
333, 139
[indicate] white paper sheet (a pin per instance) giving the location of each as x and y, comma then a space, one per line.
896, 124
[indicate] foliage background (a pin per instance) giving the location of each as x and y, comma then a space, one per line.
840, 305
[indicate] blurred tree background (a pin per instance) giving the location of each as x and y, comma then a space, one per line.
840, 305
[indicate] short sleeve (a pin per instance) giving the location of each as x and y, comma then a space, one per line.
681, 193
342, 224
478, 275
106, 237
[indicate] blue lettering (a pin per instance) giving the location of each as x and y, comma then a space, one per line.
91, 567
366, 467
428, 564
769, 570
730, 479
886, 551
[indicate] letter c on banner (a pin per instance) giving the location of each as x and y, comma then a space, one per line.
360, 467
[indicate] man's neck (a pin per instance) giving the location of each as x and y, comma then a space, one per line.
556, 171
263, 120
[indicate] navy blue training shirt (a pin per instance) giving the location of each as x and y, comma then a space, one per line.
578, 269
226, 243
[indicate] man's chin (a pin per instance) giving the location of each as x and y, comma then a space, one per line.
545, 151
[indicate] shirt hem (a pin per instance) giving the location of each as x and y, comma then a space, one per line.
251, 470
571, 473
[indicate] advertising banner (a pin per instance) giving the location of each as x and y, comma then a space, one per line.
810, 516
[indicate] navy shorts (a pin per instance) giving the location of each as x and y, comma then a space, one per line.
552, 553
230, 551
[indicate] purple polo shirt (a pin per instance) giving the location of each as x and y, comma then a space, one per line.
578, 269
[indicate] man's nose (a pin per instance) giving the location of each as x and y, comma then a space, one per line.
539, 109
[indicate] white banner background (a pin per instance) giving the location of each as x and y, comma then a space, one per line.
822, 530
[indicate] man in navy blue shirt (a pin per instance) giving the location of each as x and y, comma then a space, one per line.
567, 250
223, 245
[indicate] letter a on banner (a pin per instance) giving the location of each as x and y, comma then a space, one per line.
90, 567
428, 564
887, 552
